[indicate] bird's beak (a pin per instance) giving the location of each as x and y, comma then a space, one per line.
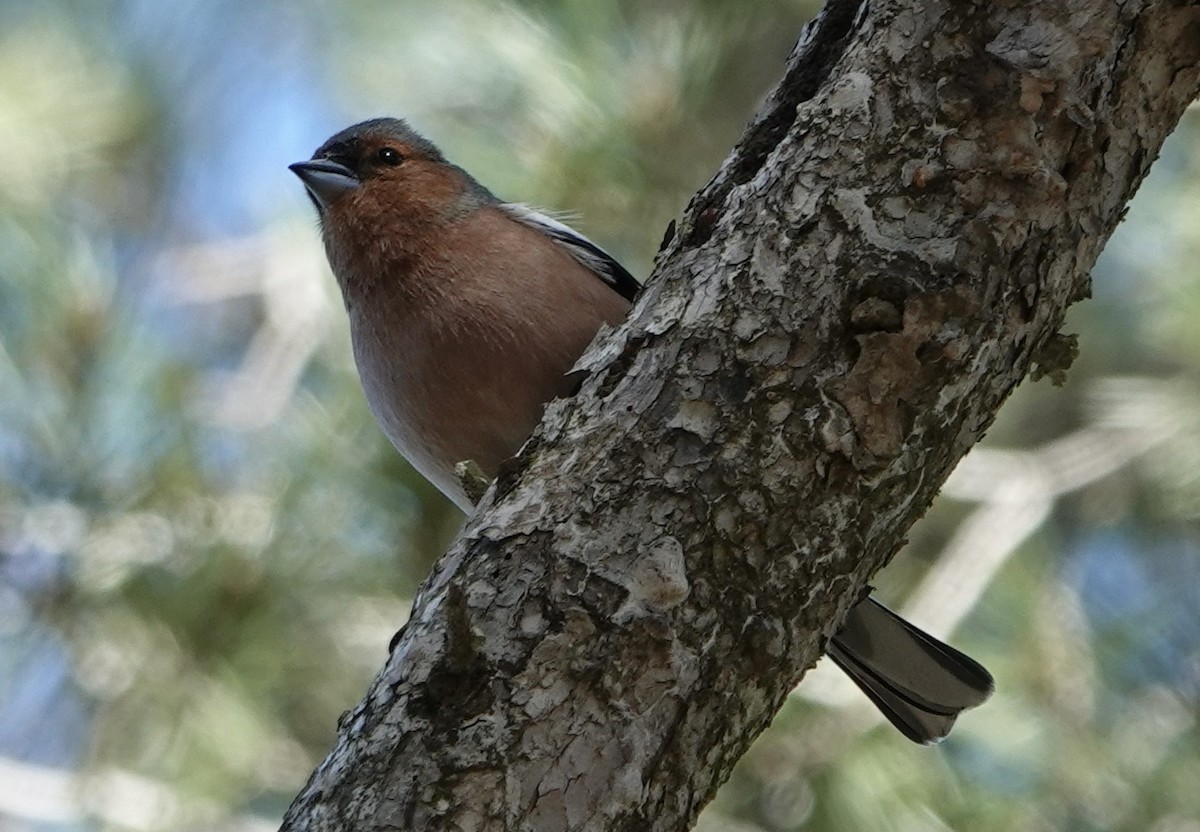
325, 180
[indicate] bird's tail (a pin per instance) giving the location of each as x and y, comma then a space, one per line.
920, 684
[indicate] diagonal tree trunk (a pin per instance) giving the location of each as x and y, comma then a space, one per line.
886, 254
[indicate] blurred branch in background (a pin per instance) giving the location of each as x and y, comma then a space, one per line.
1016, 492
37, 794
283, 271
205, 544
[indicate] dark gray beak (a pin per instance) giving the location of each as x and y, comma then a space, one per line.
325, 180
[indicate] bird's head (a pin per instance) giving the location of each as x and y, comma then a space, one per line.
381, 191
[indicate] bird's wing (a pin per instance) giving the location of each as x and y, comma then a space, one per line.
578, 246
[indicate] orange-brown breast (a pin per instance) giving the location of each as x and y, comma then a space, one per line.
461, 346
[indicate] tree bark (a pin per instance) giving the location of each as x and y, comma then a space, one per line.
885, 255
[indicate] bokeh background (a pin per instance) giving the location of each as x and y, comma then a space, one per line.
205, 543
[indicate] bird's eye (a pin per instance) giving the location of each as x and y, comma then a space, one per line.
389, 156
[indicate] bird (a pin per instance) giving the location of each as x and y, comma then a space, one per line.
467, 314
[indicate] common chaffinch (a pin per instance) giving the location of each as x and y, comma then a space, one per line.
466, 314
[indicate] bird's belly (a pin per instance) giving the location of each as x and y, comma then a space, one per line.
391, 397
437, 415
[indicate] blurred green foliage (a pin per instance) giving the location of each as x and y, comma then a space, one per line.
205, 543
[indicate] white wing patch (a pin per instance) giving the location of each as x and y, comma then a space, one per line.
578, 246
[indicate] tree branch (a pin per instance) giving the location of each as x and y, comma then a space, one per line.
879, 263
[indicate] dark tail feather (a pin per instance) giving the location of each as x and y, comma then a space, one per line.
920, 684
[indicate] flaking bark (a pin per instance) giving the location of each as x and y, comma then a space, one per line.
842, 310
